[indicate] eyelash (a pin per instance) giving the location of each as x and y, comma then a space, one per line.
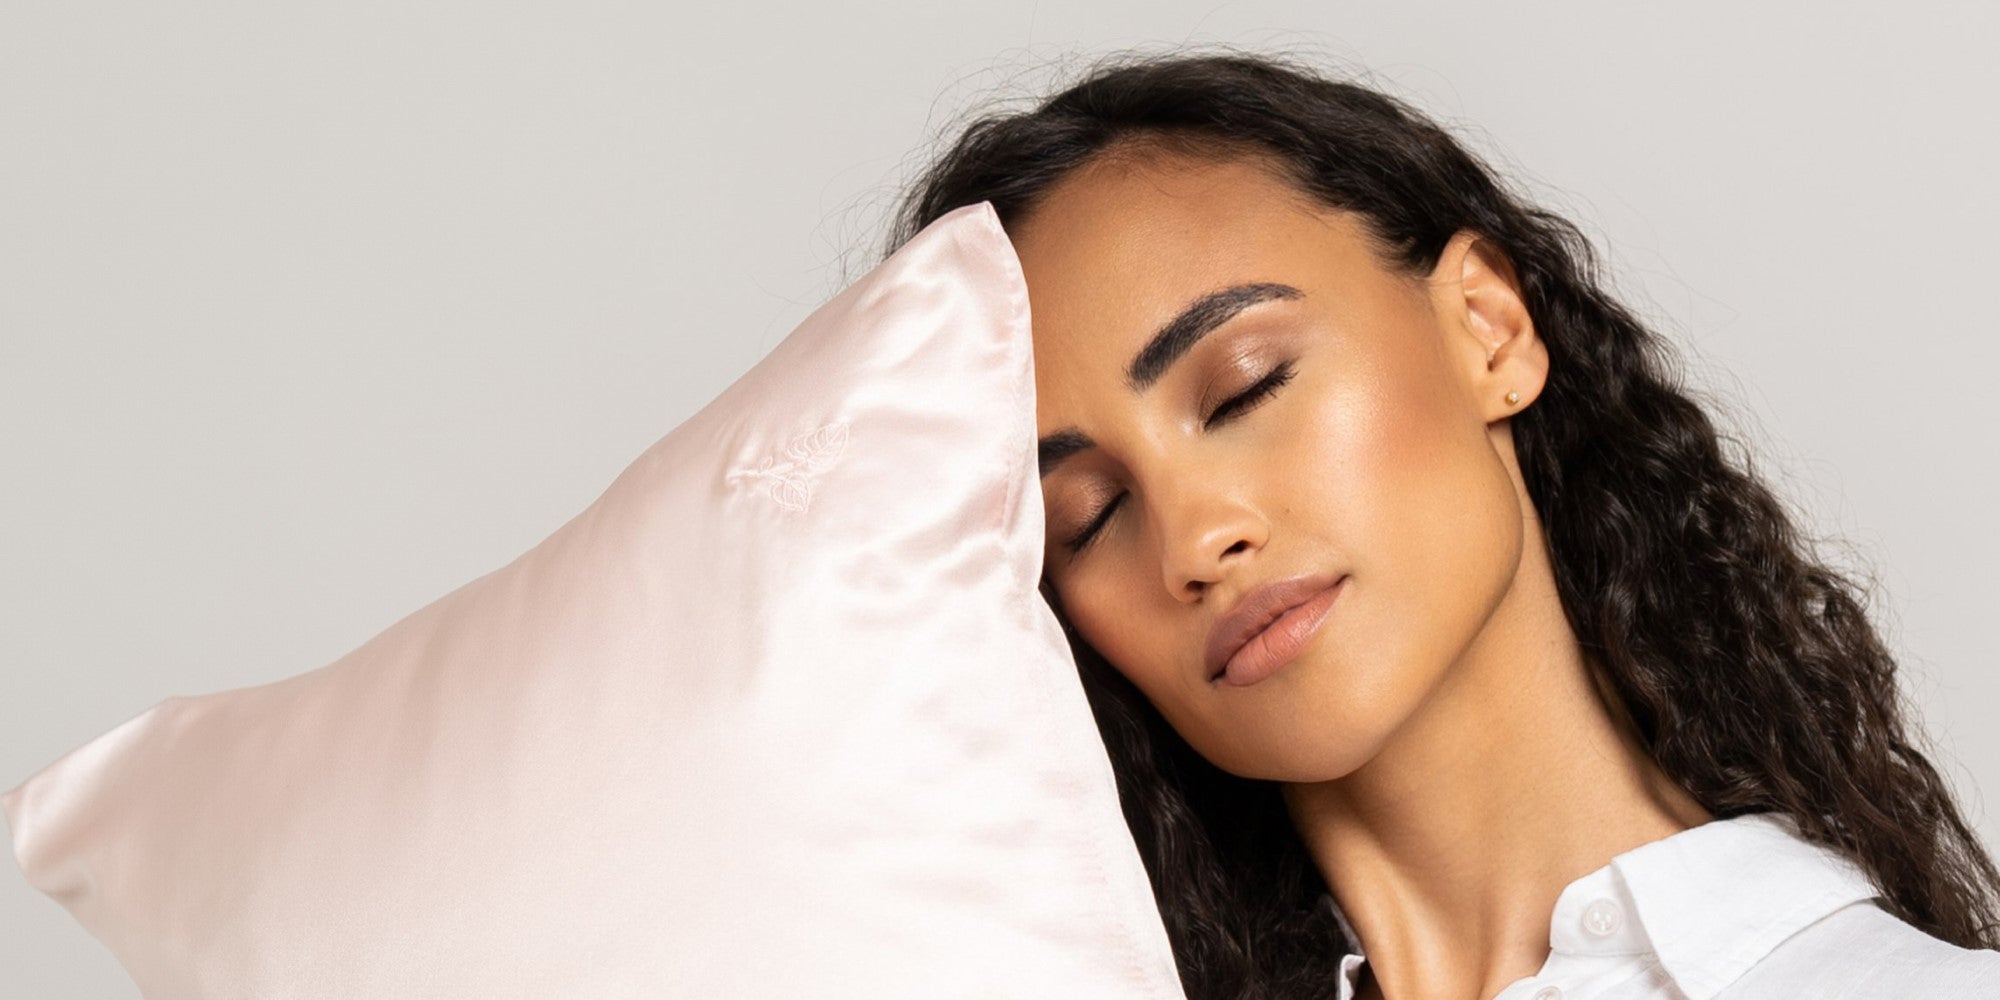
1230, 407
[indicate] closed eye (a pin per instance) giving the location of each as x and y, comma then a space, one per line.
1263, 387
1230, 408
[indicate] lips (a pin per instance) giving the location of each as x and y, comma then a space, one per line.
1256, 610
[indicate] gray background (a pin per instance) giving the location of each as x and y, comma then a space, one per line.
311, 312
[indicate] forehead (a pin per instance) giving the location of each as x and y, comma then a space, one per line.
1120, 245
1158, 216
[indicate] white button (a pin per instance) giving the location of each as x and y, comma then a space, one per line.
1549, 993
1602, 917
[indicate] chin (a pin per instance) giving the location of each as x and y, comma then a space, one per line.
1324, 727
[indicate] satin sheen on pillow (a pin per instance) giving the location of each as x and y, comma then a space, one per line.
780, 714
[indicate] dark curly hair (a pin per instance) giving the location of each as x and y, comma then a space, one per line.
1748, 666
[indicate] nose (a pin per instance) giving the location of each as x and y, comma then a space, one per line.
1204, 533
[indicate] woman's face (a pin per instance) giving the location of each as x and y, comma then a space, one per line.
1382, 455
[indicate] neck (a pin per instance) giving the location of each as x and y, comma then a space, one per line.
1518, 775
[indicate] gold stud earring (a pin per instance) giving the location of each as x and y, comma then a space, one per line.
1513, 397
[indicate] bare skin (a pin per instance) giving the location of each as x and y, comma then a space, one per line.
1445, 749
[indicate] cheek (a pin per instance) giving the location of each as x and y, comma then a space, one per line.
1104, 606
1419, 508
1098, 603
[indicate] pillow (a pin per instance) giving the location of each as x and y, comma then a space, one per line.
780, 714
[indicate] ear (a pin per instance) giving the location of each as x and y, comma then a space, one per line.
1489, 335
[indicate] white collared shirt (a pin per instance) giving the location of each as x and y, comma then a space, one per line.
1733, 909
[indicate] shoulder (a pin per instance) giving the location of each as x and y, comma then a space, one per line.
1862, 950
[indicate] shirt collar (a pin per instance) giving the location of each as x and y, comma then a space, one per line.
1708, 902
1714, 899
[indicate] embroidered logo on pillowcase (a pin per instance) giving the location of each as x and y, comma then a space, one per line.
791, 474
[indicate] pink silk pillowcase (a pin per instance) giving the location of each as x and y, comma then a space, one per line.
780, 714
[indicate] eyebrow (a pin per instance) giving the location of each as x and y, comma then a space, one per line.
1167, 346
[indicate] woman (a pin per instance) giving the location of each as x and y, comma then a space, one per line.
1559, 704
